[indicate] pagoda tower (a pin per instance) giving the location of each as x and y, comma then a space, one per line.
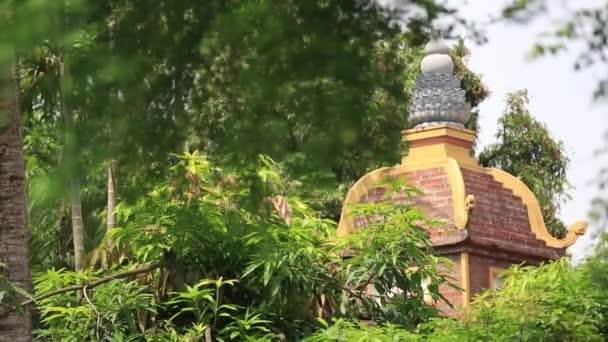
492, 219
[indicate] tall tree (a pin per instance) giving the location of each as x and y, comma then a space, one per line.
112, 162
525, 148
14, 236
74, 190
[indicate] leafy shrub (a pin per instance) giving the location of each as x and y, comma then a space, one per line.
234, 270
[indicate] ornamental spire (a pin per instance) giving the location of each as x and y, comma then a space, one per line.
438, 98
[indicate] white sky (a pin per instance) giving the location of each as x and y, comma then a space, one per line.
559, 96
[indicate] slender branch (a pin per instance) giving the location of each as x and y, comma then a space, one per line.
369, 280
86, 296
93, 284
351, 291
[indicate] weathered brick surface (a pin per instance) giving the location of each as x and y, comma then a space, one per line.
479, 271
14, 249
437, 196
436, 203
498, 233
500, 219
453, 296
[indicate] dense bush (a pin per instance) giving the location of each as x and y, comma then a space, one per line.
552, 302
239, 273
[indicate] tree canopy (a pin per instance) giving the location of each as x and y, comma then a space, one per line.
186, 162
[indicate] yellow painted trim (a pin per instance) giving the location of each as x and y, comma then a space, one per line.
360, 189
453, 158
438, 131
463, 203
368, 182
464, 278
535, 215
438, 153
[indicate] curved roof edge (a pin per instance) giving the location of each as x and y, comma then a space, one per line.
535, 215
462, 202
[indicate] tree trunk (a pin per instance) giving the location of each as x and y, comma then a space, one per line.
63, 224
14, 235
74, 183
70, 152
77, 225
64, 231
71, 162
111, 206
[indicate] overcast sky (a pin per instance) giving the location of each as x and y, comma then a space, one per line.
559, 96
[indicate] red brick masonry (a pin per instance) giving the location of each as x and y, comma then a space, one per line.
498, 233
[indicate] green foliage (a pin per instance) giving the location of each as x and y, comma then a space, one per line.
319, 87
523, 10
42, 154
551, 302
296, 261
396, 266
111, 311
202, 302
526, 149
475, 90
343, 331
121, 310
199, 301
200, 226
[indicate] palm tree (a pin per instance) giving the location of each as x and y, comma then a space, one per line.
14, 235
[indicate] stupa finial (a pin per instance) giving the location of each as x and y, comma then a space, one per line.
438, 98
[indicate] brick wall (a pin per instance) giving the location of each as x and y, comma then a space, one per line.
479, 271
498, 233
453, 296
500, 219
435, 203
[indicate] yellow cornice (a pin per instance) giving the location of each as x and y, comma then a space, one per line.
438, 131
462, 202
436, 154
443, 154
435, 144
360, 189
535, 215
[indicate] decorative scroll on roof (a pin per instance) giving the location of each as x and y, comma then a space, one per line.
438, 98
